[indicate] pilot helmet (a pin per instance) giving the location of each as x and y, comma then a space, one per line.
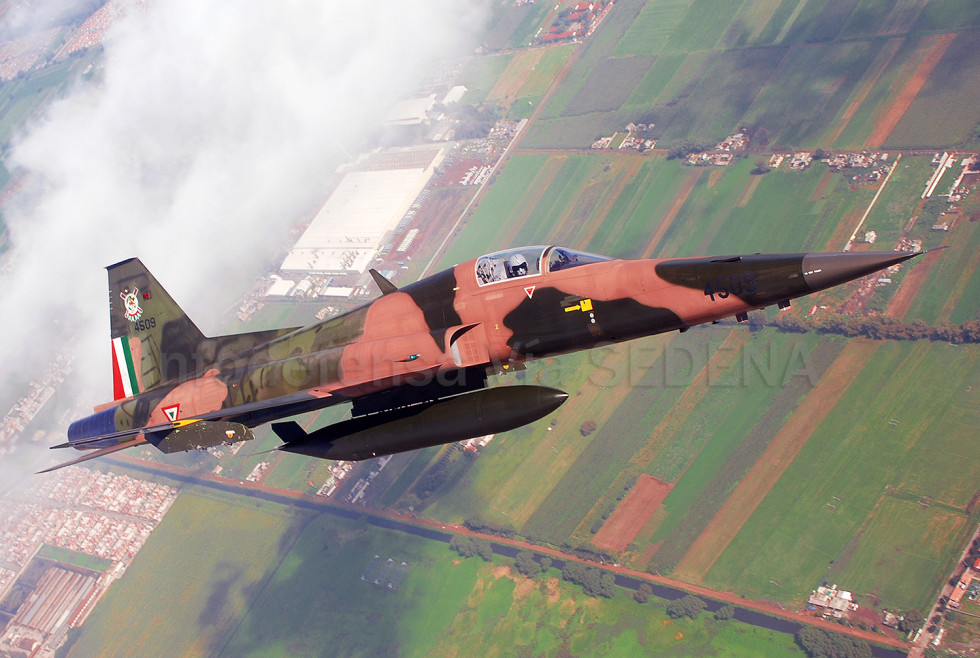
518, 265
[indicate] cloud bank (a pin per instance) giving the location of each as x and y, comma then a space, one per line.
212, 128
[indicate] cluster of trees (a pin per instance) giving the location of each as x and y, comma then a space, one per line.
475, 121
911, 621
975, 546
594, 581
686, 606
933, 208
477, 524
643, 593
448, 469
589, 552
682, 149
762, 166
881, 327
470, 546
611, 504
528, 566
816, 642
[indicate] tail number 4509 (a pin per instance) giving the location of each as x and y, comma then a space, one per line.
737, 283
145, 325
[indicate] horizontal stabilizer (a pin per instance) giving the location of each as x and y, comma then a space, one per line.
97, 453
159, 430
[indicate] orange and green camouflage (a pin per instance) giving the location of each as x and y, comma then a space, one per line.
414, 363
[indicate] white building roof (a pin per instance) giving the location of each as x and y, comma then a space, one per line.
336, 291
410, 111
280, 288
345, 235
456, 94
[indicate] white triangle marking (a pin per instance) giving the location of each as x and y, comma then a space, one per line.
172, 412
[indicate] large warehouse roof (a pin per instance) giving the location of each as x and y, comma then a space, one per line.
347, 232
410, 111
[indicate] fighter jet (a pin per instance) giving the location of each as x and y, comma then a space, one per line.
415, 363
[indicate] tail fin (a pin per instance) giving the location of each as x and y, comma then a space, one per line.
153, 340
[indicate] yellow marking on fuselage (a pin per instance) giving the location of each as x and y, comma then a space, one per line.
585, 306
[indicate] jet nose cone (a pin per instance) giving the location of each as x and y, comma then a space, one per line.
824, 270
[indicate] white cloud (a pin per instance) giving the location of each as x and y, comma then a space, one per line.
213, 127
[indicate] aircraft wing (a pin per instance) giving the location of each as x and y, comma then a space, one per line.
249, 414
227, 425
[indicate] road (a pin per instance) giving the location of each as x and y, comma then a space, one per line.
508, 152
924, 637
751, 612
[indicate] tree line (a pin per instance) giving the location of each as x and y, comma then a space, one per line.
882, 327
596, 582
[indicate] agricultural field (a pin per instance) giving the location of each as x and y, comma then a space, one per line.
480, 76
519, 88
840, 74
689, 437
202, 564
953, 279
888, 436
616, 205
944, 112
513, 26
298, 574
74, 558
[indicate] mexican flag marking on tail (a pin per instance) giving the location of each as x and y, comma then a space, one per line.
124, 382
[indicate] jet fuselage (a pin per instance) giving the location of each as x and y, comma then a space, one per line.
432, 339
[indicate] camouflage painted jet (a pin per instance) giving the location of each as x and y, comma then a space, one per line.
414, 363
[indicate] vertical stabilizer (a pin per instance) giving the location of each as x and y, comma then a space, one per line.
153, 340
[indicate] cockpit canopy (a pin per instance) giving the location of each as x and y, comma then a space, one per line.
529, 261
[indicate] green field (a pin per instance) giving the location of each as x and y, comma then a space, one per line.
480, 75
651, 29
728, 211
943, 113
952, 281
823, 508
514, 26
741, 413
568, 195
539, 80
74, 558
202, 565
809, 74
235, 577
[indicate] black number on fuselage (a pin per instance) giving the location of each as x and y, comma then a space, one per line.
733, 284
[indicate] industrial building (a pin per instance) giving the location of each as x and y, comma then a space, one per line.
370, 202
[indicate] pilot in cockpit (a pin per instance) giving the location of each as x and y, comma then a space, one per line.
517, 266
